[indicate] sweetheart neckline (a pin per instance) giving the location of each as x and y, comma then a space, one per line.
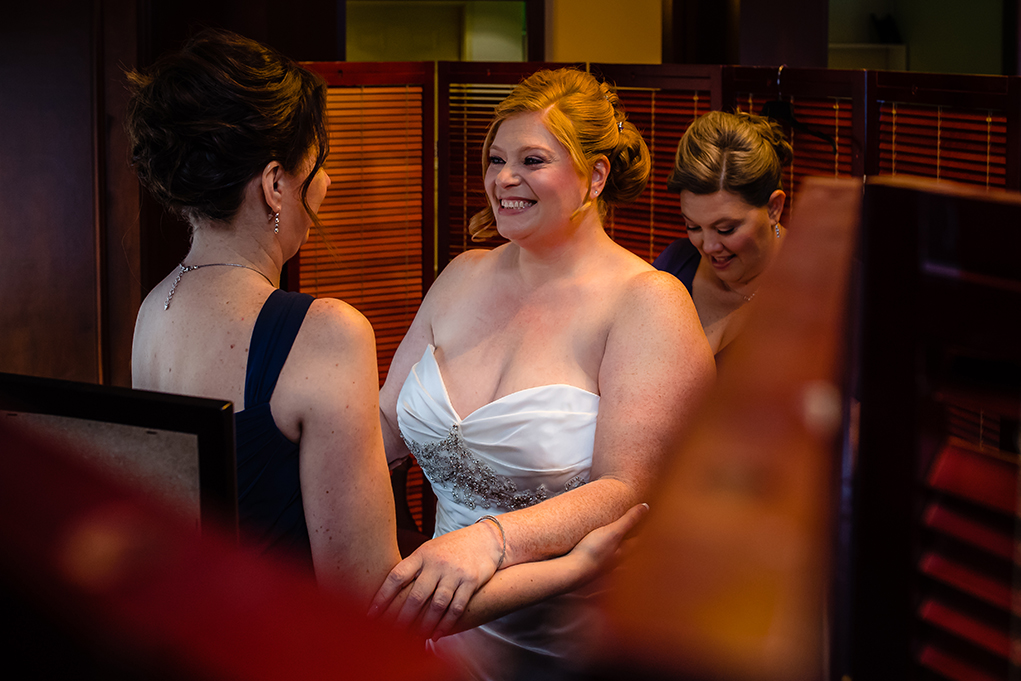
430, 351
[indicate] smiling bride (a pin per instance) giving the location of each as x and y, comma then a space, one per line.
542, 382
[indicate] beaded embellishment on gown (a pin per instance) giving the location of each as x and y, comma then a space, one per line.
472, 482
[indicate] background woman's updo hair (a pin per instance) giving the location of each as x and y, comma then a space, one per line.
739, 152
583, 114
203, 122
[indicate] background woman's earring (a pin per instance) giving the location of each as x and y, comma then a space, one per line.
276, 225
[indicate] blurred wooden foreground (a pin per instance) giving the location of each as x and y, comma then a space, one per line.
731, 569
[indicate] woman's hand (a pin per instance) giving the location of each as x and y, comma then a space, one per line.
600, 549
444, 573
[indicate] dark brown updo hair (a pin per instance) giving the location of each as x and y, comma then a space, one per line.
586, 116
204, 121
739, 152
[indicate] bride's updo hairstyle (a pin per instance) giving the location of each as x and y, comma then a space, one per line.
738, 152
205, 121
586, 116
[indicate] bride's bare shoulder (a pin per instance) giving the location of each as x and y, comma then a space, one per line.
466, 270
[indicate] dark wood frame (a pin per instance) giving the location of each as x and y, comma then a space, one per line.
917, 297
1000, 93
211, 421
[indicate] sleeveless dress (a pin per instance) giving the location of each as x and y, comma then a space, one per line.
271, 516
509, 454
680, 259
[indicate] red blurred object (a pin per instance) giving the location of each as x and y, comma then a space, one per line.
99, 582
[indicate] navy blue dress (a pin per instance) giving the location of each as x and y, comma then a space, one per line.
270, 512
680, 259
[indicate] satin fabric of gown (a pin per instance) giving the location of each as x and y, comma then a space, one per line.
509, 454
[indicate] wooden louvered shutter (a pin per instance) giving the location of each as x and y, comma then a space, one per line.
471, 110
371, 251
936, 504
944, 143
813, 156
653, 220
946, 127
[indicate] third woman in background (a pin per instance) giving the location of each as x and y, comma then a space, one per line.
543, 382
727, 171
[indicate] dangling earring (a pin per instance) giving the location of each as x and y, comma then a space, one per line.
776, 228
276, 224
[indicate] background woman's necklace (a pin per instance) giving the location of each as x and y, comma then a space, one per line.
748, 299
189, 268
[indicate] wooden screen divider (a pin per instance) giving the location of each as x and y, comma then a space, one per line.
936, 512
375, 247
661, 101
827, 102
955, 127
381, 227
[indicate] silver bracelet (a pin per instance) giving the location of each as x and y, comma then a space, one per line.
503, 537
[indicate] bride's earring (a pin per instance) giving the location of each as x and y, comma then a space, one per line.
276, 222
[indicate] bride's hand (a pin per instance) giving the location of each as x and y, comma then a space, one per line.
446, 572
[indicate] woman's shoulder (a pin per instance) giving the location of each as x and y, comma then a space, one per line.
330, 321
471, 262
650, 287
468, 270
643, 290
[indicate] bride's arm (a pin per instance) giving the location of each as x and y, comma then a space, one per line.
529, 583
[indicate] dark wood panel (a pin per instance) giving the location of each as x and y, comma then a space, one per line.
48, 289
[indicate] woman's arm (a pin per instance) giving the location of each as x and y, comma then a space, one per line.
655, 367
530, 583
330, 386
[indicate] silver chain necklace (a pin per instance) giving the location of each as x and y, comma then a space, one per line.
748, 299
188, 268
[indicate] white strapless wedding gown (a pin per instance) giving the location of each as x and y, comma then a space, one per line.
511, 453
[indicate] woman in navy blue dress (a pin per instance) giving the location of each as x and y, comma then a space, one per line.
728, 174
231, 135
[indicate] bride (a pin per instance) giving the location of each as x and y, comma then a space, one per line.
542, 382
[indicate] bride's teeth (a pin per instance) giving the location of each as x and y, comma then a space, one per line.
513, 205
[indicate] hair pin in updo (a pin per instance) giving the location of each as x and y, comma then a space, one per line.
620, 126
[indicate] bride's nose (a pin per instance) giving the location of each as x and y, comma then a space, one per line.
507, 176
